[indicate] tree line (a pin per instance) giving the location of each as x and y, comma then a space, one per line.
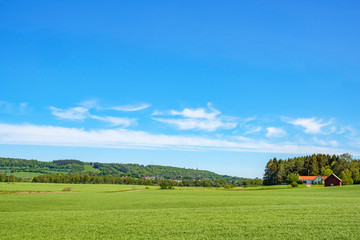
279, 171
75, 171
13, 165
10, 178
85, 178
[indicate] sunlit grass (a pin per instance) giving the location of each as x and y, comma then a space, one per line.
134, 212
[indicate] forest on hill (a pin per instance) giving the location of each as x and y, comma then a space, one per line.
75, 171
278, 171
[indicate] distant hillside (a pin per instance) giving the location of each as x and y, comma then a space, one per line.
34, 167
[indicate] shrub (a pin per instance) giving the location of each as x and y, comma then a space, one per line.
67, 189
228, 186
166, 185
292, 177
294, 184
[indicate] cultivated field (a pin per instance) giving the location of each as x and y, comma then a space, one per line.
133, 212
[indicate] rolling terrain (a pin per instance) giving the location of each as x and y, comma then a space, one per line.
88, 211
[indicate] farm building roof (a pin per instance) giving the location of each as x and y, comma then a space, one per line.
311, 178
334, 176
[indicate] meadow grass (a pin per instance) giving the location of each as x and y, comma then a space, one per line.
134, 212
90, 168
27, 174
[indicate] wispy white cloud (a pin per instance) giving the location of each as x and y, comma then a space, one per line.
81, 113
347, 129
94, 104
8, 107
198, 118
89, 104
197, 113
130, 107
157, 113
249, 119
324, 142
273, 132
207, 124
5, 106
319, 141
23, 107
76, 113
121, 138
252, 129
116, 121
311, 125
242, 139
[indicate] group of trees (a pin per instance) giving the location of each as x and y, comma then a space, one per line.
14, 165
287, 171
156, 171
9, 178
86, 178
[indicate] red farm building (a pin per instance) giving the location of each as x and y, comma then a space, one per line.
332, 180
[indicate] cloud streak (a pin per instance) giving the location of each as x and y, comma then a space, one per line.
28, 134
252, 129
273, 132
116, 121
130, 107
81, 113
76, 113
311, 125
198, 119
207, 125
8, 107
197, 113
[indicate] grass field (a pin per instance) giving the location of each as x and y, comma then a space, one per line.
27, 174
133, 212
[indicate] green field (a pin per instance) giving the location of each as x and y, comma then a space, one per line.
28, 174
134, 212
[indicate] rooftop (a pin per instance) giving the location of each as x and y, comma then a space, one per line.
311, 178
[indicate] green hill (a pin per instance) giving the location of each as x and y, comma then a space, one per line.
23, 168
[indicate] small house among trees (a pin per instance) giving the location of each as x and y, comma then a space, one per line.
280, 171
332, 180
312, 179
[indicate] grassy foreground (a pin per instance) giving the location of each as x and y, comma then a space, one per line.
133, 212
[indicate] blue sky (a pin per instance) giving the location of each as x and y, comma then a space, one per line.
222, 86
